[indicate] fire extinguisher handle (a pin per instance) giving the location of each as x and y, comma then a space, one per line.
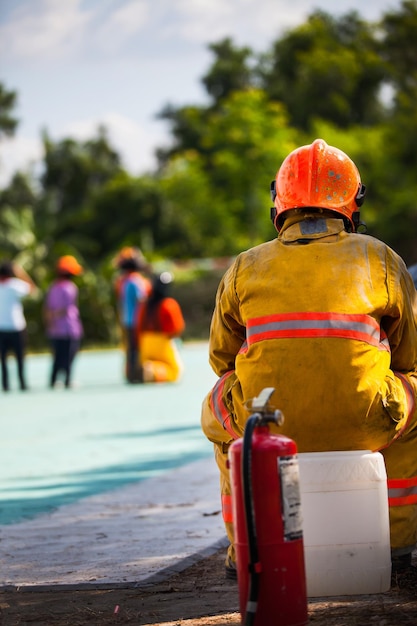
261, 402
260, 408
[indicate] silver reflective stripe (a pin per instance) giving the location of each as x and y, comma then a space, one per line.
359, 327
402, 492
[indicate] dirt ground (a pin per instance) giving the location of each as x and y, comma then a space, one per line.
199, 596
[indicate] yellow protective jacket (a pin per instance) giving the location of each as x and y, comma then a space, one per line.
327, 318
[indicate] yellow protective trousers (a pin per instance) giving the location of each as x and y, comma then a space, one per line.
161, 360
329, 320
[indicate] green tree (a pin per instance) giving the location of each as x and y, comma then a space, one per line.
192, 214
399, 46
17, 228
397, 185
73, 172
399, 49
326, 68
8, 101
126, 211
230, 70
218, 199
187, 128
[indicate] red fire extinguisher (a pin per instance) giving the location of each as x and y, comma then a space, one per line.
267, 522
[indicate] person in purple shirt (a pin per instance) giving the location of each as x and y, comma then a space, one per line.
62, 318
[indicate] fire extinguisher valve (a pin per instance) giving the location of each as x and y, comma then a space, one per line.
262, 411
276, 418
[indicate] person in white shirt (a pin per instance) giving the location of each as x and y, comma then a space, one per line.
15, 284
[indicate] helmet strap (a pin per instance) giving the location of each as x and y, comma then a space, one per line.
360, 196
274, 218
360, 227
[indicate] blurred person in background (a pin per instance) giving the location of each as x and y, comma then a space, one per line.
132, 288
15, 284
160, 322
62, 318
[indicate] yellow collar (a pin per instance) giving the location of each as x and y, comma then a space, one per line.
309, 226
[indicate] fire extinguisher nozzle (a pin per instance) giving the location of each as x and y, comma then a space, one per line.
278, 417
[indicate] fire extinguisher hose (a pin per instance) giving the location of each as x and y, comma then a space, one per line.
254, 566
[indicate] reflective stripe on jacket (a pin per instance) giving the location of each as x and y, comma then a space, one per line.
402, 491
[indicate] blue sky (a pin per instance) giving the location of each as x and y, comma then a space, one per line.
78, 63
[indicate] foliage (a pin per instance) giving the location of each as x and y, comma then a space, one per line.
230, 71
73, 173
398, 46
188, 126
219, 197
397, 184
125, 211
327, 68
8, 123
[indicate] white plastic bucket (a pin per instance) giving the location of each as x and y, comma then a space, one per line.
344, 505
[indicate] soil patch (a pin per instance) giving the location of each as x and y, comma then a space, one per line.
198, 596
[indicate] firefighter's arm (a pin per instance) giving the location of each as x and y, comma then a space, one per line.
227, 333
401, 326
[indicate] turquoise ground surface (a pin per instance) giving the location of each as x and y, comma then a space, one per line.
58, 446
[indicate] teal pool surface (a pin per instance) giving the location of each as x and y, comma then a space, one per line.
58, 446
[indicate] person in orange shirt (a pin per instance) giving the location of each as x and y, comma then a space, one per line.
160, 322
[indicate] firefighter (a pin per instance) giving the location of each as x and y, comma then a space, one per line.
328, 317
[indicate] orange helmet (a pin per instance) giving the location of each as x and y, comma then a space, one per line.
317, 176
69, 265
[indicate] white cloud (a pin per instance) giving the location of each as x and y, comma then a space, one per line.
130, 16
256, 22
248, 22
53, 30
49, 30
121, 24
40, 29
203, 21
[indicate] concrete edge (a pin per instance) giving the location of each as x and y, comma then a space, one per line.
155, 579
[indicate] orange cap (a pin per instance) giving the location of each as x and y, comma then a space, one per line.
69, 264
